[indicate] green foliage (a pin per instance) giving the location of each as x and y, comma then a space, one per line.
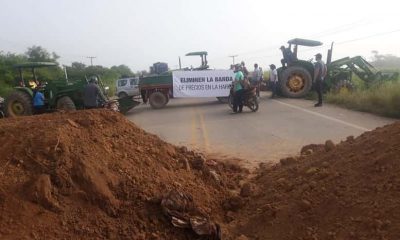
383, 99
39, 54
107, 75
9, 77
7, 72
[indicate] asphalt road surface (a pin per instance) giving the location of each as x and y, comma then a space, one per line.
279, 129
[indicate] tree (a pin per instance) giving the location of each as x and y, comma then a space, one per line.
123, 71
78, 66
385, 61
39, 54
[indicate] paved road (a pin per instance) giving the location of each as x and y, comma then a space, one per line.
280, 128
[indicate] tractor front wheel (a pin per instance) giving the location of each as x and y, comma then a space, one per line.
19, 103
66, 104
296, 82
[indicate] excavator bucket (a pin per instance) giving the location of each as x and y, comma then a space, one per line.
126, 104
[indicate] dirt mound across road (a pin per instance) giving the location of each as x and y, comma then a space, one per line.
94, 175
346, 191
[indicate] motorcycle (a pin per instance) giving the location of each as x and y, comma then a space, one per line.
2, 112
249, 98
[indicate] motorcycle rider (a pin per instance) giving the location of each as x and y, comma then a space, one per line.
238, 90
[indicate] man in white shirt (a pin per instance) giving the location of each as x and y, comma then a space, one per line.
273, 79
256, 78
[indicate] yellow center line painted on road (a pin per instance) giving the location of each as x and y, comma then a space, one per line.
193, 135
324, 116
204, 132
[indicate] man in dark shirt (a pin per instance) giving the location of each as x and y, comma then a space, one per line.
244, 69
288, 56
92, 94
319, 75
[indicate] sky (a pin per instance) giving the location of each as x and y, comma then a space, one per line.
139, 33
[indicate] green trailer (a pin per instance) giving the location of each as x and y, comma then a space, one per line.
157, 89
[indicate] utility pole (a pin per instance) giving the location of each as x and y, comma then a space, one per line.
91, 60
233, 58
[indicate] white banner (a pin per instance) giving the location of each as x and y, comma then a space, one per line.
206, 83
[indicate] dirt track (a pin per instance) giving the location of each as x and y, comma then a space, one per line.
279, 129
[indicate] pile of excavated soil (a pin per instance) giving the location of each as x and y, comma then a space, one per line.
346, 191
94, 175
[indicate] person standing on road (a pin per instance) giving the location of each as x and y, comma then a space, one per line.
92, 93
273, 79
238, 90
319, 75
256, 79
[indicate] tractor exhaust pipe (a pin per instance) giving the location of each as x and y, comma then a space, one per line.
66, 74
329, 55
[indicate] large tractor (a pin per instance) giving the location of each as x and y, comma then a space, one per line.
296, 78
60, 94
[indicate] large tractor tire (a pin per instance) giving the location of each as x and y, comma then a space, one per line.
66, 104
158, 100
19, 103
296, 82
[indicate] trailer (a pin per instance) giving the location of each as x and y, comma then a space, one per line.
158, 88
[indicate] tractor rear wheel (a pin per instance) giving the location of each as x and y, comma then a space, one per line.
158, 100
19, 103
296, 82
65, 103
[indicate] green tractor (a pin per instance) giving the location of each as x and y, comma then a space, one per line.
60, 94
296, 79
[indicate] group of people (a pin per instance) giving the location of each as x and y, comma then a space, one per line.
243, 81
92, 96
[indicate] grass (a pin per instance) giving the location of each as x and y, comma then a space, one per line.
5, 89
383, 99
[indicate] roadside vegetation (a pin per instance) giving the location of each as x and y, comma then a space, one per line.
77, 70
381, 98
